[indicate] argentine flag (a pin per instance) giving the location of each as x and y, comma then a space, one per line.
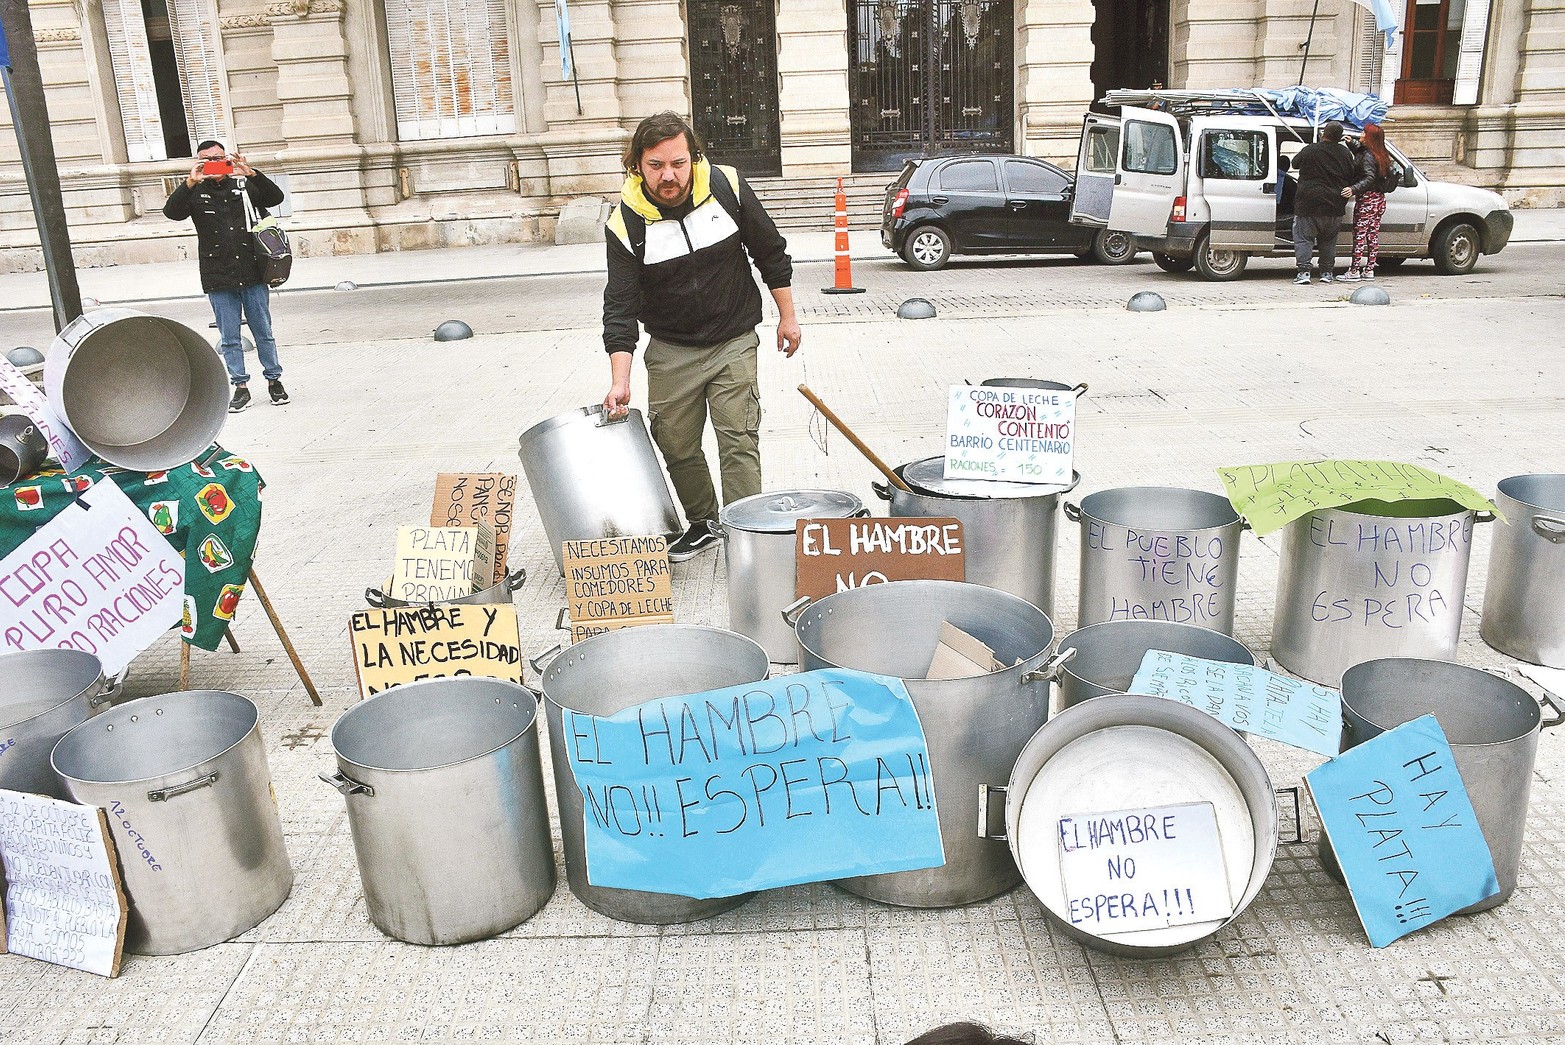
1388, 16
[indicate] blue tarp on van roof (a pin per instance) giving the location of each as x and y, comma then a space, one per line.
1319, 104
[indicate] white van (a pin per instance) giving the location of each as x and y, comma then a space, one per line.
1202, 181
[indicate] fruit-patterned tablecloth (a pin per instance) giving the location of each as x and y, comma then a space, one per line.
210, 511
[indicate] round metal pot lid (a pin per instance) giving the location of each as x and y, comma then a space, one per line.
776, 512
928, 477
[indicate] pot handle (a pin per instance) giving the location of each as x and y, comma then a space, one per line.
984, 791
112, 688
862, 513
882, 490
375, 597
605, 419
163, 794
1072, 511
346, 785
540, 662
562, 622
792, 611
1080, 389
1050, 671
717, 529
514, 580
1548, 698
1549, 528
1291, 794
1483, 517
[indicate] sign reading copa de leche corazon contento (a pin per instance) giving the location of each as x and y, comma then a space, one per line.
833, 555
803, 778
1010, 434
98, 578
617, 582
1403, 830
391, 647
1132, 870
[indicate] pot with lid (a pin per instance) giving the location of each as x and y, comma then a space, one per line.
758, 541
1009, 530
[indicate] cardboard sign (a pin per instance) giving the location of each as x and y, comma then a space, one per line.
803, 778
1137, 869
64, 447
834, 555
391, 647
1010, 434
435, 563
1403, 830
1272, 495
468, 499
617, 582
961, 656
1248, 698
98, 578
64, 902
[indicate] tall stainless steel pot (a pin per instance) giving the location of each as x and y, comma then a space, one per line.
593, 477
975, 727
758, 542
606, 674
1524, 600
1103, 658
44, 694
1009, 530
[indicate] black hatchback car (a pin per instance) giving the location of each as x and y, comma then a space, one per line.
989, 204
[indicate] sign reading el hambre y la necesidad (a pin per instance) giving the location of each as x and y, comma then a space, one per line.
617, 582
833, 555
1010, 434
464, 499
436, 563
394, 646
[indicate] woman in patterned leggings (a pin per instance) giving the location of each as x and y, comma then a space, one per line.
1369, 203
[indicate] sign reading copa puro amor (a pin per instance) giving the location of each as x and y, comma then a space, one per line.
98, 578
803, 778
1011, 434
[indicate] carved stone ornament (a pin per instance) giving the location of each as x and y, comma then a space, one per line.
303, 8
250, 21
730, 17
890, 19
57, 36
972, 15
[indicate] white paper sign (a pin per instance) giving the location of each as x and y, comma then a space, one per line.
63, 901
1011, 434
1136, 869
64, 447
98, 577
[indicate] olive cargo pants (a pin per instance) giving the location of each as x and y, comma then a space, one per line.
683, 384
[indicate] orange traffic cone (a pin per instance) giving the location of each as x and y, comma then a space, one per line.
843, 283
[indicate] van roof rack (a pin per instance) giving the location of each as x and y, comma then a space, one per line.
1240, 101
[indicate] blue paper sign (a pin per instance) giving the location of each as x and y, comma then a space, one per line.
1247, 698
802, 778
5, 50
1403, 830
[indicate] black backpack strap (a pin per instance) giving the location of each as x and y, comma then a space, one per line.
727, 194
635, 230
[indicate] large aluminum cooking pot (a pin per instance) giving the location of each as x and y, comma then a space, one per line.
1103, 658
184, 782
142, 392
1008, 529
445, 798
44, 694
975, 727
593, 477
23, 448
1123, 752
497, 594
1492, 726
1033, 382
603, 676
1158, 553
1369, 580
758, 542
1524, 601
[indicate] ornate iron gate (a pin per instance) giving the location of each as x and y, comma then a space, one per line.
929, 76
733, 82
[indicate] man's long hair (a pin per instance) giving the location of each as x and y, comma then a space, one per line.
1375, 142
660, 127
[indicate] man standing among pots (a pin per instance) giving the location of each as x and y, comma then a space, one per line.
677, 246
213, 198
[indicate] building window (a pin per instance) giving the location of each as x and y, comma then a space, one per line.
167, 75
450, 68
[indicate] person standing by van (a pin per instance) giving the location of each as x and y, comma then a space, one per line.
1376, 177
1325, 170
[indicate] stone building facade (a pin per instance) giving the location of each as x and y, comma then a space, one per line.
403, 124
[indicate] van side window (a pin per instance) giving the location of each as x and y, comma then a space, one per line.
1235, 155
1149, 148
1102, 147
969, 176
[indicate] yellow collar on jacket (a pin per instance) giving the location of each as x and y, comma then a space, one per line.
633, 192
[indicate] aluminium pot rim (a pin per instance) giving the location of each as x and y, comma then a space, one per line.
1503, 492
1027, 491
134, 709
1349, 509
561, 660
531, 727
1065, 669
726, 520
1455, 669
1238, 520
571, 417
5, 700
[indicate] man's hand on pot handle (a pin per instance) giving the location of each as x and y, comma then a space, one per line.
617, 402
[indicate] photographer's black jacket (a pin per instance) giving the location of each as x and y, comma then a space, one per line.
222, 236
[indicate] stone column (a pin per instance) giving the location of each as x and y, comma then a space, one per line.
1053, 76
312, 74
812, 63
581, 147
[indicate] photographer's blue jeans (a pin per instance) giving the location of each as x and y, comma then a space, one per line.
253, 302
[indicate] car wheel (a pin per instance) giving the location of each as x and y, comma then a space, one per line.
1111, 247
927, 248
1169, 263
1455, 249
1216, 264
1384, 262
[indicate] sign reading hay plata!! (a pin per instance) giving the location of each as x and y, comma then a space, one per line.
391, 647
435, 563
617, 582
471, 499
834, 555
1010, 434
